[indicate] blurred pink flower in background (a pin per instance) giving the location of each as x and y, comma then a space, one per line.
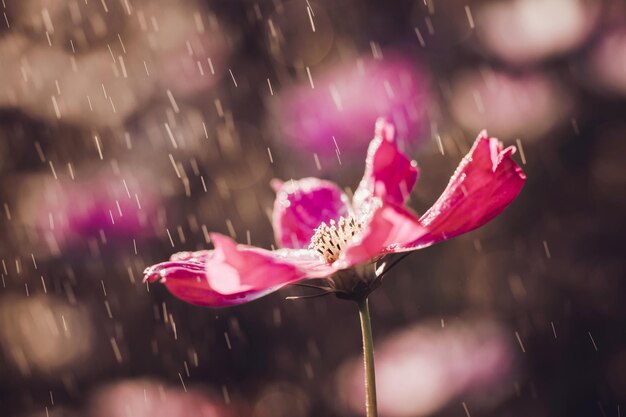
512, 106
421, 369
65, 211
523, 31
149, 398
608, 60
359, 233
347, 99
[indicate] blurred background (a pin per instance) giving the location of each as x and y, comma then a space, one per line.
131, 128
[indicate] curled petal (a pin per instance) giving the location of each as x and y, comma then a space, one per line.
234, 274
246, 272
390, 227
301, 206
486, 181
389, 174
186, 279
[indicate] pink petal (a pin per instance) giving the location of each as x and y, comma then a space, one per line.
234, 268
389, 174
301, 206
186, 279
234, 274
391, 226
486, 181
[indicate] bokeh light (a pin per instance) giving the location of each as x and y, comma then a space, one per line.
525, 31
421, 369
44, 335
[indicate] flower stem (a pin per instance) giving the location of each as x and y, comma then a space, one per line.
368, 358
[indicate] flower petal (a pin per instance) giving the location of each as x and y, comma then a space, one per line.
185, 277
486, 181
389, 174
391, 226
234, 274
235, 268
301, 206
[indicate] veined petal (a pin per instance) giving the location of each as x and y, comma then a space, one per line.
301, 206
389, 174
234, 267
486, 181
185, 277
391, 226
234, 274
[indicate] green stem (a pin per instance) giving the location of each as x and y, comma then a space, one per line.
368, 358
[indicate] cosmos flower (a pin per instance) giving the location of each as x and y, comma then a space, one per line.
147, 397
340, 105
64, 212
338, 245
424, 367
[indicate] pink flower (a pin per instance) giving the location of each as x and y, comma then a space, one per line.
146, 397
337, 243
341, 105
424, 367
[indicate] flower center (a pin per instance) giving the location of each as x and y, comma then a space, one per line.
329, 240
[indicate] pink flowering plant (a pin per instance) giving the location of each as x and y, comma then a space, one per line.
344, 247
